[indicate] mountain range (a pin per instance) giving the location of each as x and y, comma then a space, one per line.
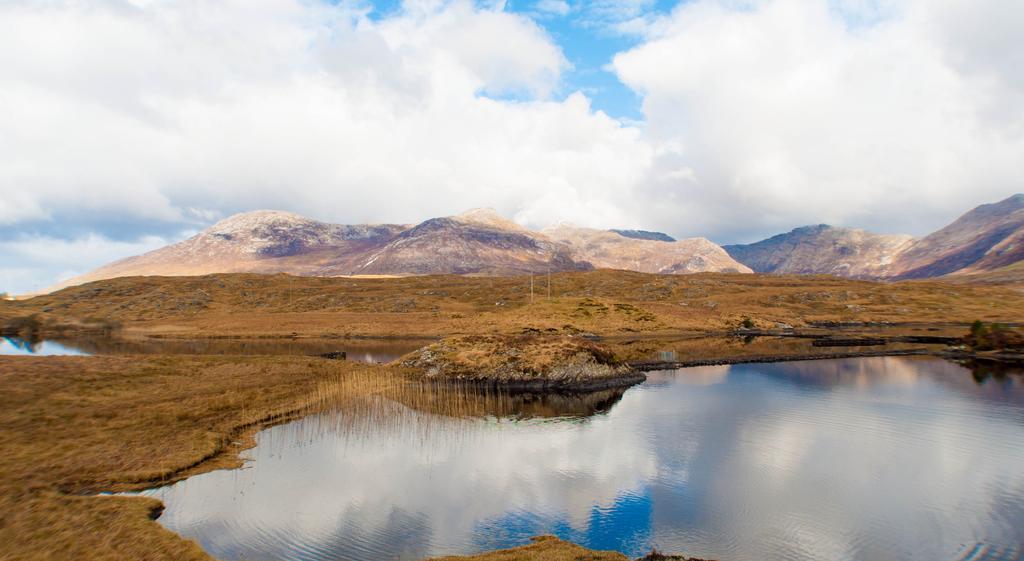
476, 242
986, 240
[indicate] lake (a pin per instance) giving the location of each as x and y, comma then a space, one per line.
859, 459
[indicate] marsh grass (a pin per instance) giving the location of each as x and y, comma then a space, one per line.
365, 404
71, 427
602, 302
548, 360
471, 401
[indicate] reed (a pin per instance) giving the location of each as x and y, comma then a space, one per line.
74, 426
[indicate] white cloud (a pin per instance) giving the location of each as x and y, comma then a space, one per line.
282, 103
89, 249
32, 263
788, 111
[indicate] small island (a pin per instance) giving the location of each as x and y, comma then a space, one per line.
524, 362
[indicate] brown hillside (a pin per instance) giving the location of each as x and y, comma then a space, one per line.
602, 302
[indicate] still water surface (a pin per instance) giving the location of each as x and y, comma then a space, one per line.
360, 350
17, 346
862, 459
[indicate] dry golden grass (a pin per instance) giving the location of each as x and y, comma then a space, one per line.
74, 426
54, 527
549, 359
602, 302
92, 423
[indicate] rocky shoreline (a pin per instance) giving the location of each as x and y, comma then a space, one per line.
647, 366
582, 363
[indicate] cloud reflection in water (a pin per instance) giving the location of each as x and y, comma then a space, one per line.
882, 458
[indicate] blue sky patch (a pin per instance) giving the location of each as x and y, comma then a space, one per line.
587, 35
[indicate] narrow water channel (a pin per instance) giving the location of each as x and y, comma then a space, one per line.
871, 458
361, 350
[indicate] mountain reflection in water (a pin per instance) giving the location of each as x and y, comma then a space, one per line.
880, 458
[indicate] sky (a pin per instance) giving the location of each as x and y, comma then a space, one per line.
129, 124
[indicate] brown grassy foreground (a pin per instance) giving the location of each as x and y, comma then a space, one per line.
74, 426
601, 302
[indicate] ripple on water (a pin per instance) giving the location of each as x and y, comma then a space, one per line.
902, 459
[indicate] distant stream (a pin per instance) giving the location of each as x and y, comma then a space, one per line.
362, 350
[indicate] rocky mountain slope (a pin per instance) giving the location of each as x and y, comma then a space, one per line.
262, 241
479, 241
644, 235
476, 242
988, 238
647, 253
823, 249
